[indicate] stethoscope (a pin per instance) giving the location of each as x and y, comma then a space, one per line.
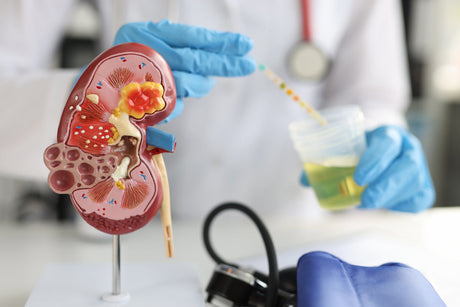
306, 60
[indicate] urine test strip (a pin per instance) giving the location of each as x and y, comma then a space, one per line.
290, 92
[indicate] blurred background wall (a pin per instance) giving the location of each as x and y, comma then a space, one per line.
433, 48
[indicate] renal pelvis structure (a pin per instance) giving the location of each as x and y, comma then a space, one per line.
101, 158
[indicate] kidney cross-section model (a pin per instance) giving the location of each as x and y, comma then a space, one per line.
101, 158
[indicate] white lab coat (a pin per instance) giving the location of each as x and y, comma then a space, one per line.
234, 143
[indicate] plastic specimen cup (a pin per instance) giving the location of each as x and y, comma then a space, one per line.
329, 154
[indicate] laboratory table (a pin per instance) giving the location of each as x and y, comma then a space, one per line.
428, 241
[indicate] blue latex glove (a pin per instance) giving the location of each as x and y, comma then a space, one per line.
395, 171
304, 179
324, 280
195, 54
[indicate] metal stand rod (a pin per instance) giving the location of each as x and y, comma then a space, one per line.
116, 265
116, 296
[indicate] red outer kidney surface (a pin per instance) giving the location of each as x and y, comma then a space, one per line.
101, 157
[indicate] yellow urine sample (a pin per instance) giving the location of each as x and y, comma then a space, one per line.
334, 185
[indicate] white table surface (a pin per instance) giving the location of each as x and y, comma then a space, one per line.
428, 241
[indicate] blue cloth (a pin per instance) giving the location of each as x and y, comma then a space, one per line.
195, 54
324, 280
395, 171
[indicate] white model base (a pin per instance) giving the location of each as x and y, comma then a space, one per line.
142, 284
116, 298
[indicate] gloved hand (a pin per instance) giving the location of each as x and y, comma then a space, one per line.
395, 171
195, 54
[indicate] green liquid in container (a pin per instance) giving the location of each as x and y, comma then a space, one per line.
334, 185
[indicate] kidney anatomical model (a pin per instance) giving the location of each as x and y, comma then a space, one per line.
117, 182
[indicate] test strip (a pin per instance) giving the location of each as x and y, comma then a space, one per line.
290, 92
